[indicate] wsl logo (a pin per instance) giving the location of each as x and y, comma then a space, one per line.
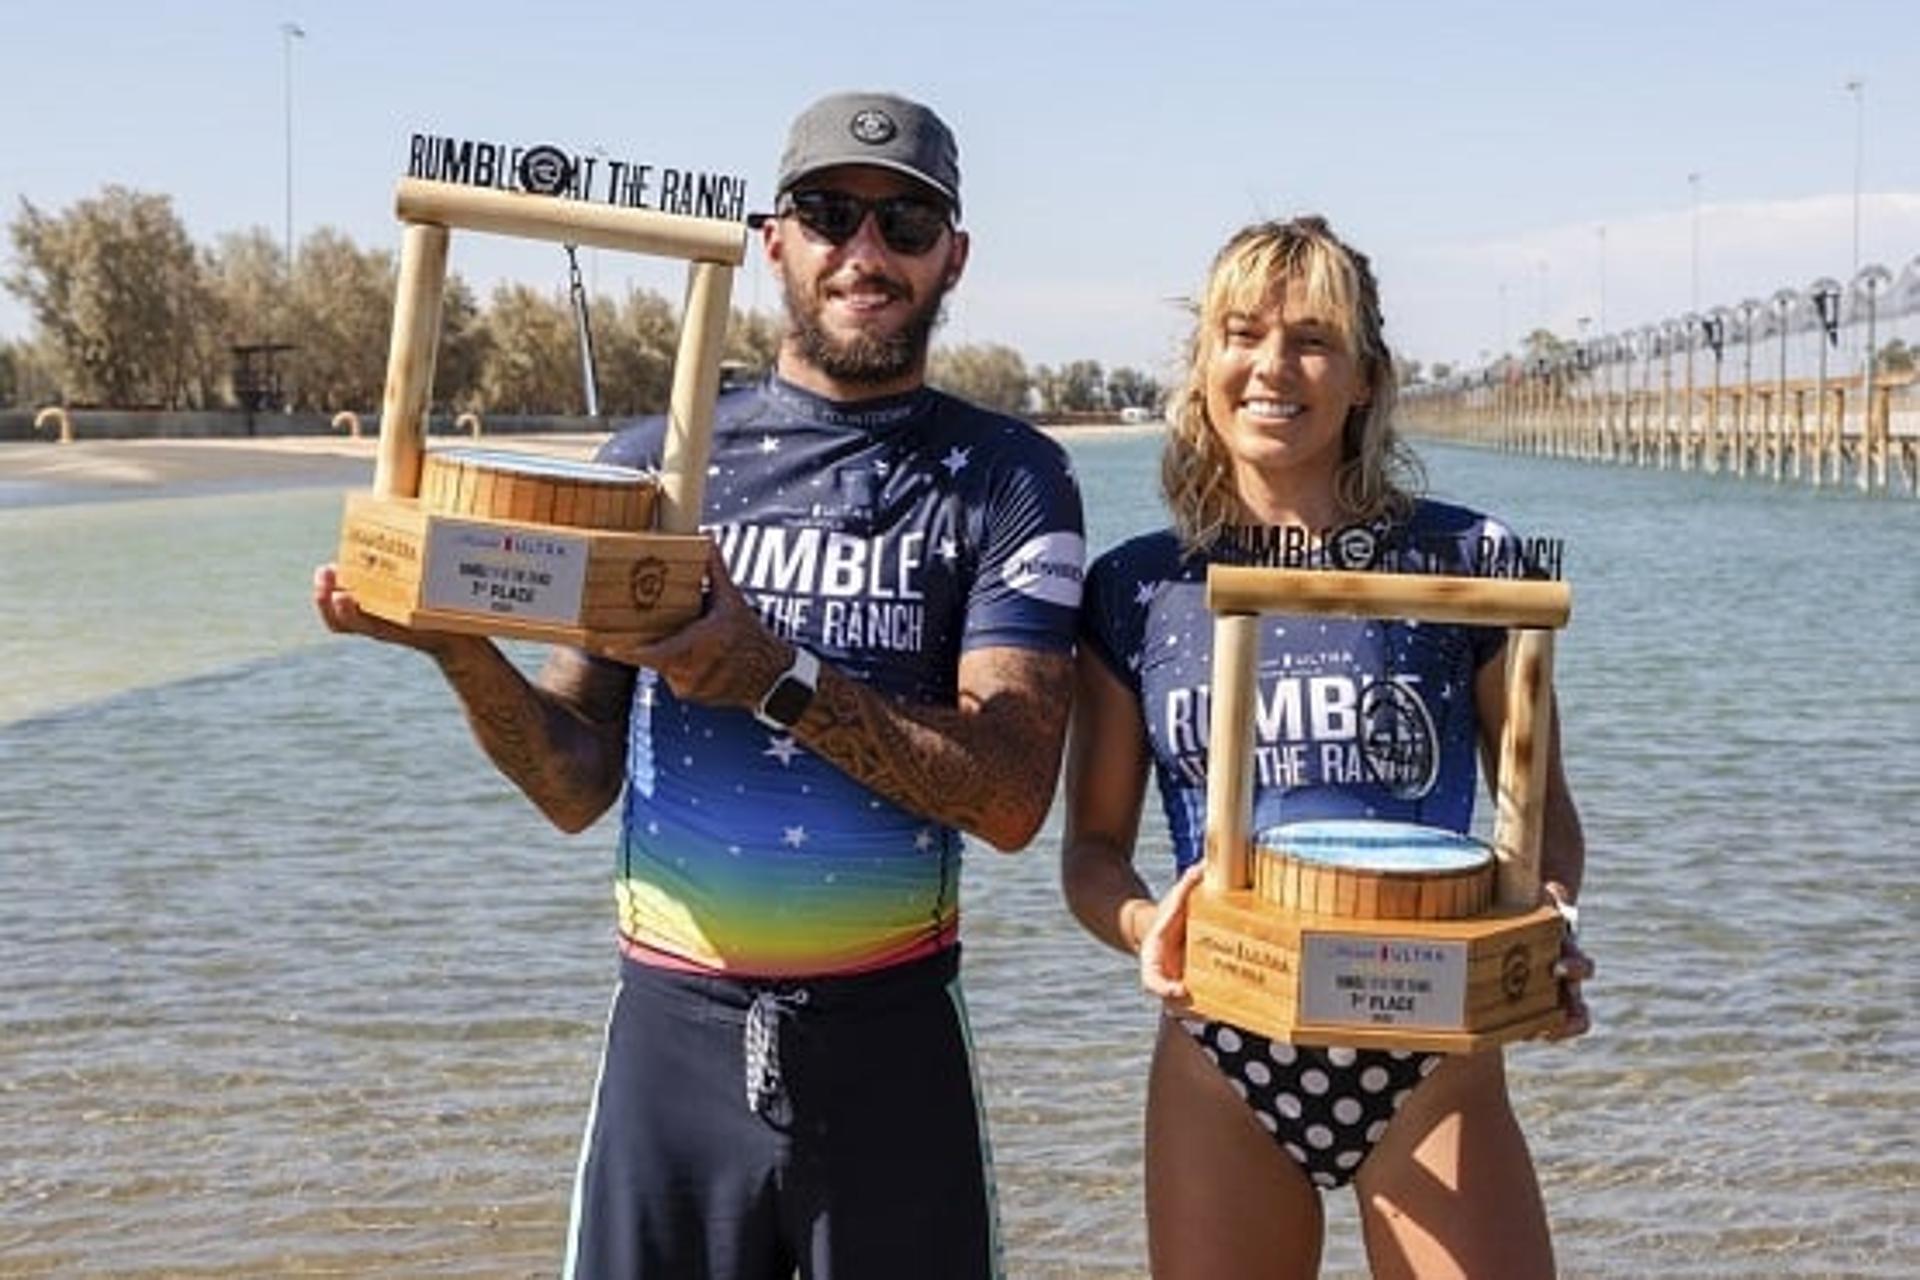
1356, 547
873, 127
1398, 740
546, 171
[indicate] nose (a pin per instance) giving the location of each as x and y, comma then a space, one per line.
1272, 355
865, 244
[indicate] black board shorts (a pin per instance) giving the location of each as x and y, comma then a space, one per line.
748, 1129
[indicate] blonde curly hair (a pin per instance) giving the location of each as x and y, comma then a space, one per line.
1377, 475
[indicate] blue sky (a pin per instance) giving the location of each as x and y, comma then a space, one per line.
1475, 151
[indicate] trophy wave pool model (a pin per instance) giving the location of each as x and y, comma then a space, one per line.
1377, 935
520, 545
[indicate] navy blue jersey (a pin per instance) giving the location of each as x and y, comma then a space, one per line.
889, 537
1354, 719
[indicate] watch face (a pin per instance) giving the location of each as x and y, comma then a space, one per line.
787, 701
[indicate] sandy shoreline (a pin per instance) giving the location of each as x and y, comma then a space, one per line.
95, 470
33, 474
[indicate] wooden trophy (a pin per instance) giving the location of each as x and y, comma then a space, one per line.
519, 545
1362, 934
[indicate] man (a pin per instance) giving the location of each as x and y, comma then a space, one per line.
787, 1081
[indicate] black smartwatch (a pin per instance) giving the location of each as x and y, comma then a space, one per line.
791, 694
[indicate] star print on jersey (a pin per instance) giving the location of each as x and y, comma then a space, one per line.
1352, 718
889, 538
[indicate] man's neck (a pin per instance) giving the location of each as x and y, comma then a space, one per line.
793, 368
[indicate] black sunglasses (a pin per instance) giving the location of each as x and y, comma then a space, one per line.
908, 224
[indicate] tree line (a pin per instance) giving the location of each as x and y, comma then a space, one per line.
128, 312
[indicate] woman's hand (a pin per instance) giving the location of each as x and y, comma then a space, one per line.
1163, 947
1573, 968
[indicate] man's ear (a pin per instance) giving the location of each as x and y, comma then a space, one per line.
770, 239
957, 258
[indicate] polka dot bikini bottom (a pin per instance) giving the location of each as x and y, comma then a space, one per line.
1325, 1107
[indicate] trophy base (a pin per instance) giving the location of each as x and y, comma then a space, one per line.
1449, 986
590, 588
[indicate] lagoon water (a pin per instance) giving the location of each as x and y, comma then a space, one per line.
292, 984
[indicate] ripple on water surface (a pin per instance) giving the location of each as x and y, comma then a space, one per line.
296, 984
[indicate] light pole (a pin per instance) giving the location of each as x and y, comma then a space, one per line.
1603, 332
1824, 294
1858, 88
1672, 331
289, 32
1582, 406
1694, 326
1783, 303
1868, 284
1743, 429
1714, 328
1649, 348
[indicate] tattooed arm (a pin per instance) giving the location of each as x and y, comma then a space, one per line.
986, 765
561, 740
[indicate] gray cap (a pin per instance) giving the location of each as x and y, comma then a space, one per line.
873, 129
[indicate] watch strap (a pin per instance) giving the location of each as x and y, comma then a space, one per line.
791, 693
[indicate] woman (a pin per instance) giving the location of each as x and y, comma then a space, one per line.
1283, 451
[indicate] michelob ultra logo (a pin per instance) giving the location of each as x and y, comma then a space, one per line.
1049, 567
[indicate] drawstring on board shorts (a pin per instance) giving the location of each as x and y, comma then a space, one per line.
761, 1042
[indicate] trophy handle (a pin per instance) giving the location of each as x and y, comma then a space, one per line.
1238, 595
712, 247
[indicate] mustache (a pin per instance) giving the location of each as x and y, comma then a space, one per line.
895, 290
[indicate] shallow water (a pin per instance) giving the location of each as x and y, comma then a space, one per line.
295, 985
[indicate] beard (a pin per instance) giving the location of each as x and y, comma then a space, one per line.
860, 358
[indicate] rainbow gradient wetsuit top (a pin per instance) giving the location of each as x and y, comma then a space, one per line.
888, 538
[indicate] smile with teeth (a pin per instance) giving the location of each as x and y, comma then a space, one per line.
866, 295
1261, 407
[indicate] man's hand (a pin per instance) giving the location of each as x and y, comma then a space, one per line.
725, 657
342, 614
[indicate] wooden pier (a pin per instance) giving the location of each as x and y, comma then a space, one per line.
1812, 431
